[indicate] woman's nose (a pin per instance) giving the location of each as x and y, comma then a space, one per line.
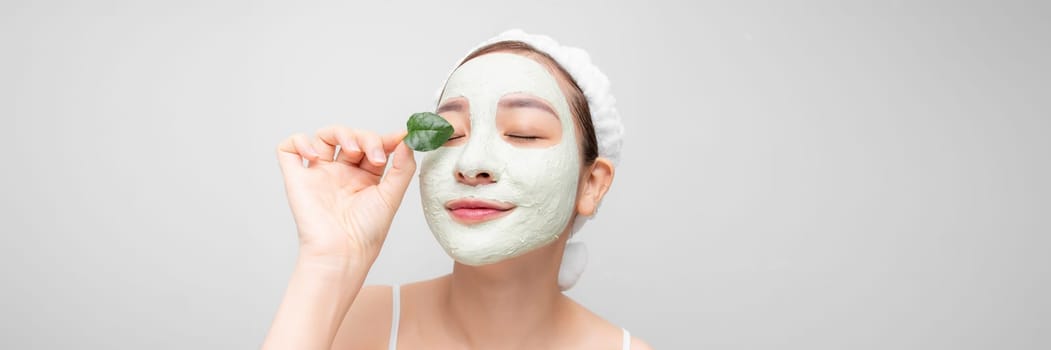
477, 165
474, 178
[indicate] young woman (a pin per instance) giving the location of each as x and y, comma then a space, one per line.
533, 152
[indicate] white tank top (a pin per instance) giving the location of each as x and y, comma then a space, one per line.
396, 316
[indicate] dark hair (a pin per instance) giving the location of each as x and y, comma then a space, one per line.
578, 104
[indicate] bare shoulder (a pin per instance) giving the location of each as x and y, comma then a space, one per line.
605, 334
639, 344
367, 324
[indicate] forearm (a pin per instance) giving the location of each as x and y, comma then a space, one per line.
319, 294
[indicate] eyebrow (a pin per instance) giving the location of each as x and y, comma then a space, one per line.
524, 102
455, 106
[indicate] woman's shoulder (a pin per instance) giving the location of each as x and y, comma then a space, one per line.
367, 323
604, 330
639, 344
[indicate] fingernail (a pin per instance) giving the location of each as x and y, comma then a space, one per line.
377, 157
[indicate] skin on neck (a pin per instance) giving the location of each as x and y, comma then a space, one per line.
511, 301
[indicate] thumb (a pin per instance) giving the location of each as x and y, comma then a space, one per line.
394, 183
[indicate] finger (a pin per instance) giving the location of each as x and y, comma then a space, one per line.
302, 144
372, 145
349, 152
394, 183
390, 141
326, 150
288, 155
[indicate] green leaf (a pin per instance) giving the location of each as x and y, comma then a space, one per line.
427, 131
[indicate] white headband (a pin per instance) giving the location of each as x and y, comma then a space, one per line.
609, 131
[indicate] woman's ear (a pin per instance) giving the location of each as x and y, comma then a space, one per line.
593, 186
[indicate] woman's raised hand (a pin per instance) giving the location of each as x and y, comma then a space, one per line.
343, 206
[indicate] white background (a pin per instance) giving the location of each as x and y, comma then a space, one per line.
812, 175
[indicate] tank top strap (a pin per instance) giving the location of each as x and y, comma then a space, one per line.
627, 340
395, 317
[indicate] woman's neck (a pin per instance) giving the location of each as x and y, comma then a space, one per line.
511, 301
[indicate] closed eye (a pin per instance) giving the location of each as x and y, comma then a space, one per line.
522, 137
454, 138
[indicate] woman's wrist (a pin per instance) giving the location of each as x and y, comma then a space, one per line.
334, 265
340, 253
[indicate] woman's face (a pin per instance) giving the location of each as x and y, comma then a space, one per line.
506, 182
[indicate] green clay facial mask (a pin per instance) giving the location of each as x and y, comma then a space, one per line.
539, 184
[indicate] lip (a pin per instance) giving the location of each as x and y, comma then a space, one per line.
473, 210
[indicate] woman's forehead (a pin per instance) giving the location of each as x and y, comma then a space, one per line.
496, 74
